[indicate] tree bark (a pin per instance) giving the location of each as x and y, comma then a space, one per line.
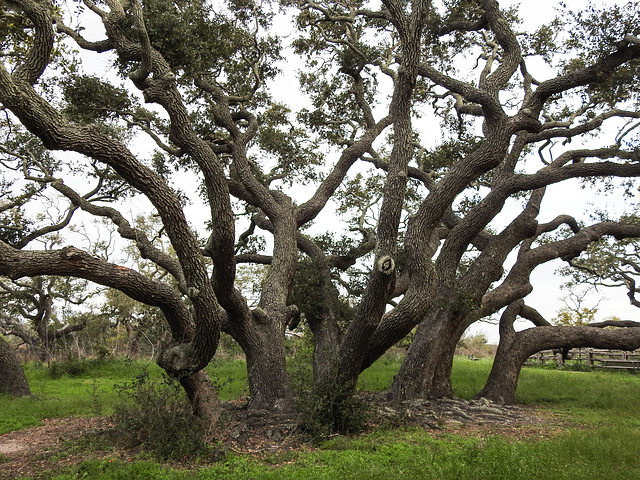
203, 398
418, 370
267, 369
381, 282
12, 378
326, 338
441, 384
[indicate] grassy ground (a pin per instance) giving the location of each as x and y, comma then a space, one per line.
599, 440
86, 387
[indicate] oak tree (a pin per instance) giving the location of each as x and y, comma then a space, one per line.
423, 122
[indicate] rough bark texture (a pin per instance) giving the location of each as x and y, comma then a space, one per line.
267, 369
12, 379
418, 369
203, 398
381, 282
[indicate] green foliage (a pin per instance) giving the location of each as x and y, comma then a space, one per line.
359, 195
323, 407
296, 155
309, 290
566, 316
474, 345
194, 37
328, 408
156, 415
607, 262
14, 226
449, 153
543, 41
577, 309
90, 100
597, 32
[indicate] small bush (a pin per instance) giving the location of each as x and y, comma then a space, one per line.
72, 367
324, 408
329, 409
155, 414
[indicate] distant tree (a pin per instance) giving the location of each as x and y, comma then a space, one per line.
140, 322
576, 312
608, 264
27, 311
474, 345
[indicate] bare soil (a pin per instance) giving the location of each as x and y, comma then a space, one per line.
63, 442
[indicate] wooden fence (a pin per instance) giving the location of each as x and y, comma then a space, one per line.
589, 357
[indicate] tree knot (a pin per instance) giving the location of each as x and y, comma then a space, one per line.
386, 265
261, 316
71, 252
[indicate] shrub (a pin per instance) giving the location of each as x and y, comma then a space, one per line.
155, 414
71, 366
331, 409
326, 408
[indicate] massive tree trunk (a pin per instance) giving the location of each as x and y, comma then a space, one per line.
262, 341
267, 369
441, 386
326, 338
516, 347
418, 370
261, 338
262, 333
12, 378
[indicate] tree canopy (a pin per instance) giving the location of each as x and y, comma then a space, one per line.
378, 202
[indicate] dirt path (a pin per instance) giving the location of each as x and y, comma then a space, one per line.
38, 449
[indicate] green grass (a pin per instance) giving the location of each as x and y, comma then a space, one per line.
86, 388
415, 454
230, 377
599, 440
84, 392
